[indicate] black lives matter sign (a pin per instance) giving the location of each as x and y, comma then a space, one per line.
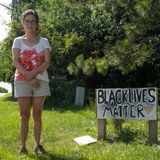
127, 103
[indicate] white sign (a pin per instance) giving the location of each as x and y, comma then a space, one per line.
85, 140
127, 103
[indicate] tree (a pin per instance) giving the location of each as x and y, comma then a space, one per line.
101, 43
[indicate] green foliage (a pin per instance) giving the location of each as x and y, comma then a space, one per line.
3, 90
88, 66
72, 68
79, 60
6, 68
127, 56
142, 33
63, 92
105, 41
71, 40
102, 66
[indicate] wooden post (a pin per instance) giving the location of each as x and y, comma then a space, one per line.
118, 124
153, 129
101, 129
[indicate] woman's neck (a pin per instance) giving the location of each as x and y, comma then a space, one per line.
31, 37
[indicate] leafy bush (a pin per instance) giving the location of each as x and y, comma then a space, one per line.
97, 43
63, 92
3, 90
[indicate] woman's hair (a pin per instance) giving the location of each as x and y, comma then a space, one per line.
30, 12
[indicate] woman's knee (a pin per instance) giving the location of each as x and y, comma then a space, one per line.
25, 117
37, 116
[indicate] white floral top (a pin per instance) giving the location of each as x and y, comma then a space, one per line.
31, 57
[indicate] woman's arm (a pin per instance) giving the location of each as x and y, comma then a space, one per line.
15, 57
45, 64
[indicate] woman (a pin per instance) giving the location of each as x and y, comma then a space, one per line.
31, 58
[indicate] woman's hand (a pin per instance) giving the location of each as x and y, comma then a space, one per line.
29, 75
35, 82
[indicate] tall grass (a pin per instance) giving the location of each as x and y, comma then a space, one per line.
60, 126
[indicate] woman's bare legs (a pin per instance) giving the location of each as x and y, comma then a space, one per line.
24, 105
37, 104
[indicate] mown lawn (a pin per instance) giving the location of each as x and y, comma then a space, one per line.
60, 126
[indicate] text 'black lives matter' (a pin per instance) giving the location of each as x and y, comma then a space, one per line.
124, 103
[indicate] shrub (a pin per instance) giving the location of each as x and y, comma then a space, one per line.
3, 90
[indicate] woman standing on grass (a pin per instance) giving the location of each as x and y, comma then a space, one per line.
31, 58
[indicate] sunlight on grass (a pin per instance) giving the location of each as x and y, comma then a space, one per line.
60, 126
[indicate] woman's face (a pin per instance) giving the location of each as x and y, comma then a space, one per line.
30, 24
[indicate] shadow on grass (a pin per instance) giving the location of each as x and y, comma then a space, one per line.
126, 136
63, 109
51, 156
47, 106
7, 97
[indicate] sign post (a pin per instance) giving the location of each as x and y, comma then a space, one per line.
118, 124
127, 103
101, 129
153, 130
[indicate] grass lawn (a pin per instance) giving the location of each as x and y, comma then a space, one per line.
60, 126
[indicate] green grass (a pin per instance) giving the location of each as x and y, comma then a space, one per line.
60, 126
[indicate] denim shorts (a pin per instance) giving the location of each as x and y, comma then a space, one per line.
25, 89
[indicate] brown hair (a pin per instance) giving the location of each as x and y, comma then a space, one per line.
30, 12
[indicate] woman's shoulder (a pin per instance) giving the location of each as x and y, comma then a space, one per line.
45, 42
17, 42
44, 39
18, 38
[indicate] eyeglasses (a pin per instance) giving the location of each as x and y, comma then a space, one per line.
27, 22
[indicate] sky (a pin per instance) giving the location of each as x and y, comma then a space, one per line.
4, 19
7, 86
